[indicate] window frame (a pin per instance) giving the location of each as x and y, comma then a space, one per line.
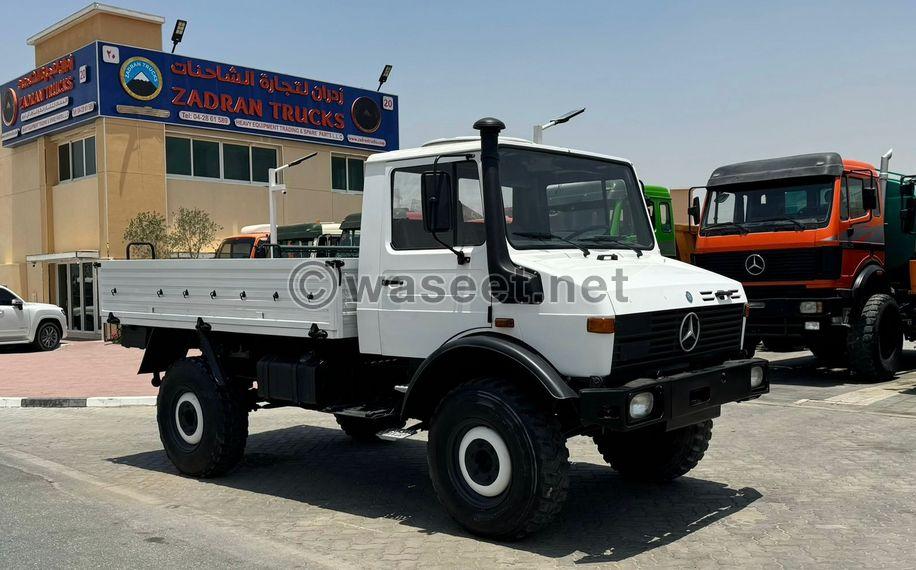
456, 213
348, 158
222, 169
69, 144
844, 205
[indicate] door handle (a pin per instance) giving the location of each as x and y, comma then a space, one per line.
391, 282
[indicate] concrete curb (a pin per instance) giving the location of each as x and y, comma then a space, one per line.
95, 402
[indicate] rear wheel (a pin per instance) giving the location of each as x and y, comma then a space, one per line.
497, 459
203, 426
654, 454
876, 339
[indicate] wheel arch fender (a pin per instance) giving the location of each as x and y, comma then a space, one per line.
442, 370
870, 279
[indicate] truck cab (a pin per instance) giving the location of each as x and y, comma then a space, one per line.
506, 296
658, 201
806, 236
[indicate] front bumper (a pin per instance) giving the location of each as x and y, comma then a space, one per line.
783, 317
680, 400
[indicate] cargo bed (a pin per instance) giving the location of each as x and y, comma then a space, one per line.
255, 296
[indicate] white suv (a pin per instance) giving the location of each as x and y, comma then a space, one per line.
41, 324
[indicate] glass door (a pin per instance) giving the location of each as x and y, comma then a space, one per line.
77, 296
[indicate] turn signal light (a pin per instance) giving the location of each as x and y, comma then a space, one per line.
747, 310
504, 323
601, 325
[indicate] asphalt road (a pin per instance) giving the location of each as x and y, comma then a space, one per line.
818, 473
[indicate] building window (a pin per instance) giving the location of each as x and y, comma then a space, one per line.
76, 159
347, 173
218, 160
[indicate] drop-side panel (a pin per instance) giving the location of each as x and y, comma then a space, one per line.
253, 296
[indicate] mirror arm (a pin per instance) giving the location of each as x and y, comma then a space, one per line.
462, 257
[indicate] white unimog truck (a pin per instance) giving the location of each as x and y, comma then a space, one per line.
507, 296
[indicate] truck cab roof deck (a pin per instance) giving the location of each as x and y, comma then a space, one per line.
797, 166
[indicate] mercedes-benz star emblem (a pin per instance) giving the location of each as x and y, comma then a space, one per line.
689, 334
754, 264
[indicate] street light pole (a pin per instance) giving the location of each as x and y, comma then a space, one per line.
274, 188
538, 135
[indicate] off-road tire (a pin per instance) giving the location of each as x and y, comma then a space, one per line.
47, 336
224, 432
655, 455
876, 339
534, 442
365, 429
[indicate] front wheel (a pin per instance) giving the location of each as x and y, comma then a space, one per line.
876, 339
203, 426
497, 459
653, 454
47, 337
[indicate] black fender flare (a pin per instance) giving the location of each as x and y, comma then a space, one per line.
869, 275
422, 384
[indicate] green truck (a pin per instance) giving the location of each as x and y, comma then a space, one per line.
658, 200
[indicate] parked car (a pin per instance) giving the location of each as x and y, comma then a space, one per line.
254, 241
22, 322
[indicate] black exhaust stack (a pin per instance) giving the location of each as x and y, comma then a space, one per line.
509, 283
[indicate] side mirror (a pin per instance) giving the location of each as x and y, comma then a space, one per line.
17, 303
436, 194
694, 210
870, 198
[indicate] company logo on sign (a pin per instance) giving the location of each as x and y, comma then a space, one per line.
10, 104
366, 115
141, 79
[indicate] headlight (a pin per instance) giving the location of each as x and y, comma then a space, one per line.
641, 405
756, 377
811, 307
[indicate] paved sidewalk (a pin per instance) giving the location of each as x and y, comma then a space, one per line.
78, 369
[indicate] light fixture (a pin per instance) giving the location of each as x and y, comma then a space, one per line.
384, 77
178, 33
565, 117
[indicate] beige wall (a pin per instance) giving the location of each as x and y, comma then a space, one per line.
309, 197
132, 167
102, 27
23, 215
75, 215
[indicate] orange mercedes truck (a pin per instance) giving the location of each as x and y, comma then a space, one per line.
824, 247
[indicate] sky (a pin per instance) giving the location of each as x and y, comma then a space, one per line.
678, 88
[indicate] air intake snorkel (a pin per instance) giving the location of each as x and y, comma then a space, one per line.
509, 283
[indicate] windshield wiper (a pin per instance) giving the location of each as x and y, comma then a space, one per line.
614, 241
545, 236
797, 224
743, 230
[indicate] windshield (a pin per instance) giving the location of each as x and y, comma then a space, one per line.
553, 199
793, 205
235, 248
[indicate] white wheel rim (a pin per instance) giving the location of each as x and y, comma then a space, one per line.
190, 438
504, 473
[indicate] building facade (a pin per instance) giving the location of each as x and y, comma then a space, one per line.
109, 125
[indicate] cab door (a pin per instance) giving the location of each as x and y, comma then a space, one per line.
426, 297
13, 322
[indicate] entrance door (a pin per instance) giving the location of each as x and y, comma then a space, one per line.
77, 295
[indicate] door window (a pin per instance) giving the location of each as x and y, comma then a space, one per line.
664, 215
853, 206
407, 231
6, 297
